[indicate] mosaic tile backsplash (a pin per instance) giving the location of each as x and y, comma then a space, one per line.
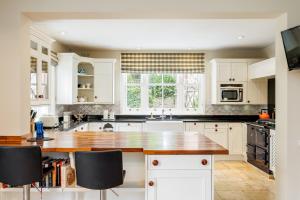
209, 109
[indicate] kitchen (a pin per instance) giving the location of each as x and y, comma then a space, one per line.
92, 90
216, 98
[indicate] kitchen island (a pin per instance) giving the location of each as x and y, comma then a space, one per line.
159, 166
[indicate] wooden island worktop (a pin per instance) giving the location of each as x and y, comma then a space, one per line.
149, 143
158, 165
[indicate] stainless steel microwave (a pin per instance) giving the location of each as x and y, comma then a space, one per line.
231, 92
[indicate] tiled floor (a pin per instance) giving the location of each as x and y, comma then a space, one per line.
237, 180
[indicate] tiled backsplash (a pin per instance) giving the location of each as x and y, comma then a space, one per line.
209, 109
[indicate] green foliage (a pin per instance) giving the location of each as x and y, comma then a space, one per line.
133, 96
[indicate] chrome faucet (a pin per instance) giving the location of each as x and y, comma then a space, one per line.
163, 116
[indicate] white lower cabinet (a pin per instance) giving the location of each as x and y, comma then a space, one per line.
177, 184
96, 126
235, 136
81, 128
129, 127
218, 135
194, 127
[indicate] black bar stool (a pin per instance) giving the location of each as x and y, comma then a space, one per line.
99, 170
21, 166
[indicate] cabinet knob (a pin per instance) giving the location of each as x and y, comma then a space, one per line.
96, 97
216, 125
204, 162
216, 130
248, 101
195, 124
155, 162
233, 79
151, 183
100, 128
230, 79
230, 128
81, 128
128, 124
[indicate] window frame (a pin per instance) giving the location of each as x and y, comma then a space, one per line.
179, 106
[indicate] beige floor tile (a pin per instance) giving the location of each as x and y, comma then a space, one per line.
240, 180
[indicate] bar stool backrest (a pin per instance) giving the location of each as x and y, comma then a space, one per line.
99, 170
20, 165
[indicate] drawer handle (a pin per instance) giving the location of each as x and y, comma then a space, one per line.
151, 183
155, 162
204, 162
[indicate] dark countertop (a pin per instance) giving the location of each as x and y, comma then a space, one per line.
184, 118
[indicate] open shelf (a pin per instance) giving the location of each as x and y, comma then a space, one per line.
130, 187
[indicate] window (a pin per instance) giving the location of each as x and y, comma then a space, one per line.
152, 93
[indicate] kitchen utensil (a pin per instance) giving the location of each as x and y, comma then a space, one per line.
50, 121
105, 114
264, 114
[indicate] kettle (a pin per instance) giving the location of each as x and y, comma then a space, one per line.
264, 114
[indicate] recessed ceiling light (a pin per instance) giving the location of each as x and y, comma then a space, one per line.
241, 37
62, 33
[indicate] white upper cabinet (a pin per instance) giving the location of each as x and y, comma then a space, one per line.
41, 72
104, 81
237, 71
263, 69
82, 80
66, 76
223, 72
230, 70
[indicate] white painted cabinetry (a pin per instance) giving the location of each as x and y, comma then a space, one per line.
237, 71
94, 85
235, 136
104, 81
217, 132
179, 177
129, 127
230, 70
194, 127
230, 135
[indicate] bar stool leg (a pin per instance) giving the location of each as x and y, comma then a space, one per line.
102, 195
26, 192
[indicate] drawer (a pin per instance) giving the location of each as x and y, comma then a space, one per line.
178, 162
216, 125
195, 127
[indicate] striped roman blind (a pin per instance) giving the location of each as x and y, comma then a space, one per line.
163, 62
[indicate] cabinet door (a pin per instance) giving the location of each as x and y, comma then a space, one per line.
104, 82
179, 184
235, 135
257, 92
95, 126
129, 127
194, 127
224, 72
239, 72
219, 136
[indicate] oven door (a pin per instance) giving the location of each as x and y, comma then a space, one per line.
262, 137
230, 95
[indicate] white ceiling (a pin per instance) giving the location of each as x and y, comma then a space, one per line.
208, 34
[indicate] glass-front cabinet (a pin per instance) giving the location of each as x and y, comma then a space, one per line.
40, 72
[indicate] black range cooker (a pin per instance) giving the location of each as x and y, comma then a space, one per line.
258, 144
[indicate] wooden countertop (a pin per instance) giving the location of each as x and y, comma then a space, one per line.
148, 143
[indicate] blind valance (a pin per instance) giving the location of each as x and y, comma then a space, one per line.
163, 62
